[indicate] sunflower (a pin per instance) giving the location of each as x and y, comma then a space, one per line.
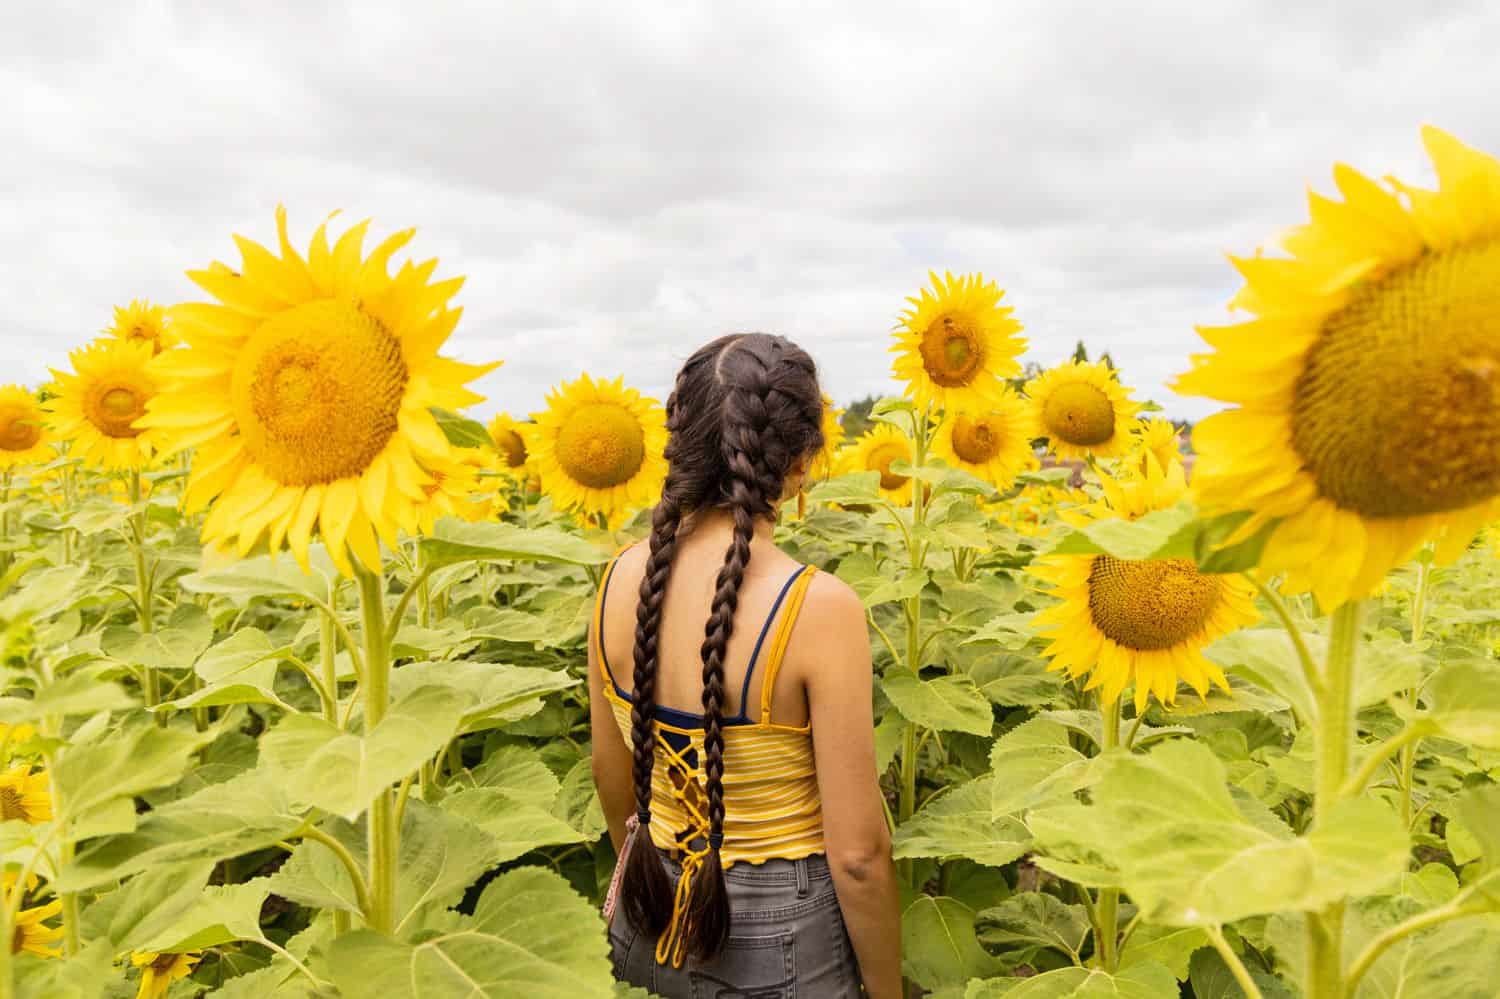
32, 935
308, 393
1123, 621
510, 441
957, 343
159, 971
25, 796
23, 429
1367, 384
1156, 440
98, 405
1082, 409
874, 452
450, 491
994, 445
833, 437
598, 447
142, 322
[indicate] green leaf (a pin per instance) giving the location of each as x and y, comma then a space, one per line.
1169, 946
530, 935
139, 758
456, 541
957, 823
521, 774
1462, 701
239, 670
83, 691
947, 703
221, 914
85, 975
1034, 764
1016, 681
340, 772
145, 905
460, 430
854, 489
499, 692
1161, 534
173, 647
1479, 808
1190, 854
514, 826
267, 576
1034, 919
278, 981
1267, 658
577, 803
441, 855
314, 877
1144, 981
1212, 979
938, 945
1456, 960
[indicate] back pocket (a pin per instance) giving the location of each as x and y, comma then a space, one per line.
750, 968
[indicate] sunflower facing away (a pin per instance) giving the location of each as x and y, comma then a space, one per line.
159, 971
98, 404
1122, 622
25, 796
1156, 440
307, 389
451, 491
874, 452
1082, 409
957, 343
23, 429
510, 441
1366, 385
142, 322
33, 936
994, 445
598, 447
833, 439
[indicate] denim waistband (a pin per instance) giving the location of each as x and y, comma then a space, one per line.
776, 871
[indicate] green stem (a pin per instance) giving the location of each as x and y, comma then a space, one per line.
1304, 655
1399, 932
1400, 742
1418, 628
65, 850
339, 850
143, 598
327, 656
1335, 744
1106, 934
907, 802
384, 834
1236, 966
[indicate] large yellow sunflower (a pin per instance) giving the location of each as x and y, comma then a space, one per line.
33, 936
98, 404
598, 447
994, 445
1156, 440
142, 322
23, 428
1122, 622
957, 344
159, 971
307, 392
1367, 384
833, 439
25, 795
1082, 410
874, 452
510, 442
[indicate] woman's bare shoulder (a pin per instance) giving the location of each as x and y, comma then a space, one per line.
834, 605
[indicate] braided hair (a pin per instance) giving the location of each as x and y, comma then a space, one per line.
744, 409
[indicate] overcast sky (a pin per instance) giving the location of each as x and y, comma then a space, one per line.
622, 182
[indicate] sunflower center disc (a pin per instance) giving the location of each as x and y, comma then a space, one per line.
952, 352
11, 806
1150, 605
512, 447
115, 408
317, 393
19, 429
880, 461
1397, 410
601, 445
1080, 414
974, 440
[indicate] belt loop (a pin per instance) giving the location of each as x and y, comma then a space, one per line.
804, 885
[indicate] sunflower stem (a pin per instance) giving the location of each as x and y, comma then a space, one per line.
1106, 934
1418, 629
907, 802
143, 590
384, 834
327, 656
1236, 966
1335, 743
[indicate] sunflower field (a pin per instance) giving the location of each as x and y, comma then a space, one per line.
294, 650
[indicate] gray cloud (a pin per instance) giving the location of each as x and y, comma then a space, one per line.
623, 182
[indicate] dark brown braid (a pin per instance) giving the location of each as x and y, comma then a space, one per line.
743, 411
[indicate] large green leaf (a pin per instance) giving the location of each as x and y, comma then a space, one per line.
1190, 854
85, 975
1144, 981
1170, 946
221, 913
340, 772
1462, 701
1032, 919
499, 692
854, 489
145, 905
138, 758
1212, 979
455, 541
1267, 658
531, 935
1033, 764
239, 670
1456, 960
880, 583
441, 855
958, 823
314, 877
1160, 534
460, 430
515, 826
268, 576
174, 646
947, 703
938, 945
82, 691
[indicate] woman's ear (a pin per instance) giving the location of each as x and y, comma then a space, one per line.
796, 476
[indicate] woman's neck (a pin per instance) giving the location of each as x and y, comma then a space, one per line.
717, 521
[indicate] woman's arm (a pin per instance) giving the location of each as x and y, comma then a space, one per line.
613, 762
857, 839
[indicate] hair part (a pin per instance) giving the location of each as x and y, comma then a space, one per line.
745, 409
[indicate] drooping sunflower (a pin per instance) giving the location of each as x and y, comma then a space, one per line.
510, 442
875, 451
1082, 409
994, 445
451, 491
159, 971
1366, 385
957, 344
23, 428
142, 322
307, 392
1156, 440
598, 446
32, 935
833, 438
1122, 622
99, 404
25, 795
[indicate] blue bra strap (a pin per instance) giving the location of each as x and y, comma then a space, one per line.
765, 630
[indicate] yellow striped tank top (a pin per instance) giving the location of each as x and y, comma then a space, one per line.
772, 809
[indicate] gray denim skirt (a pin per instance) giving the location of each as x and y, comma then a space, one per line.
786, 939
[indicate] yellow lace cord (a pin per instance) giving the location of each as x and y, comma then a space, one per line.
673, 942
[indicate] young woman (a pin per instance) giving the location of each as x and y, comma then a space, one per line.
730, 690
